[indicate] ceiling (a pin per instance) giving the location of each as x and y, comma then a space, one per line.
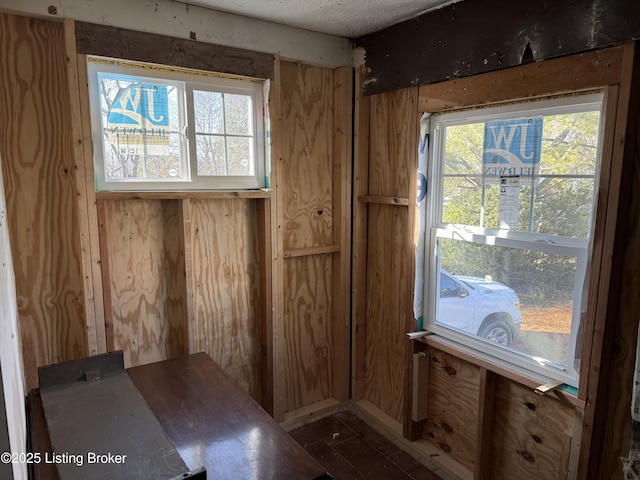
345, 18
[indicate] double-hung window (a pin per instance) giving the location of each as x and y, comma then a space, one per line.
509, 217
155, 128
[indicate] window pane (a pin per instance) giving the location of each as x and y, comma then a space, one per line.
240, 155
553, 194
207, 107
140, 121
237, 114
519, 298
211, 156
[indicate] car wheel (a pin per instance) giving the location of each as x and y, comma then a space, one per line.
497, 331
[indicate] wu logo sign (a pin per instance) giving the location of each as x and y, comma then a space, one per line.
139, 119
512, 148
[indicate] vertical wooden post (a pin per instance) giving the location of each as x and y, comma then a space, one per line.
266, 304
484, 431
87, 215
360, 220
277, 254
186, 240
341, 276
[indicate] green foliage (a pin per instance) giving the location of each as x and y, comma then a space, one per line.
559, 202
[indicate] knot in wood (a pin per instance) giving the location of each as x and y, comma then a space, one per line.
446, 448
450, 370
527, 456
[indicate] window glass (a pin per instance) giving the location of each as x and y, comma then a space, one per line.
511, 213
160, 129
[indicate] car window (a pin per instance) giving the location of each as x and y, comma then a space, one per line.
448, 287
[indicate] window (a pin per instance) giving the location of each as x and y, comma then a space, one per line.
160, 129
509, 222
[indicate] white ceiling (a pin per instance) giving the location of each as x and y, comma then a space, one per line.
345, 18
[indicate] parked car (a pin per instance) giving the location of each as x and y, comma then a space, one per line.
479, 306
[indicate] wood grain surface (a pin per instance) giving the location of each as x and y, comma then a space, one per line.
528, 433
306, 348
146, 293
226, 278
453, 406
40, 185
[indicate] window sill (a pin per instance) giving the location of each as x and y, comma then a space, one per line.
187, 194
511, 372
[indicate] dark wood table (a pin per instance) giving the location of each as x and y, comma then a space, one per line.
209, 419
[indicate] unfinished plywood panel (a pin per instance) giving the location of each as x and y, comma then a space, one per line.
393, 143
454, 387
140, 241
226, 286
529, 440
392, 154
38, 163
306, 348
307, 178
387, 295
310, 236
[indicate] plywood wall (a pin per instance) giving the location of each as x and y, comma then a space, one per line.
453, 406
313, 178
38, 164
140, 247
531, 434
392, 153
226, 285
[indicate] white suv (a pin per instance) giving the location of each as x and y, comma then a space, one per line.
479, 306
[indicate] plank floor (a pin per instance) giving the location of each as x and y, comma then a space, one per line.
350, 449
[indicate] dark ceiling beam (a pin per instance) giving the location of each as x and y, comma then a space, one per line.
472, 37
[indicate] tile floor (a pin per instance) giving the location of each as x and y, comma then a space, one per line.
350, 449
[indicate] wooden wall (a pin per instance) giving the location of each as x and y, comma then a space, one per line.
314, 178
259, 280
475, 417
226, 276
385, 183
39, 178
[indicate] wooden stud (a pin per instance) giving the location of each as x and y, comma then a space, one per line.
277, 236
484, 431
360, 228
266, 304
419, 410
585, 71
92, 209
341, 268
92, 327
600, 267
379, 200
186, 195
108, 41
186, 244
106, 276
303, 252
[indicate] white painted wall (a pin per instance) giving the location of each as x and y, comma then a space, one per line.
10, 346
175, 19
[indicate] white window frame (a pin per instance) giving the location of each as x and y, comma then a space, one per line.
188, 81
551, 244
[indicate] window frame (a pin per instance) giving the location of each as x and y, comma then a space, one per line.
552, 244
189, 81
